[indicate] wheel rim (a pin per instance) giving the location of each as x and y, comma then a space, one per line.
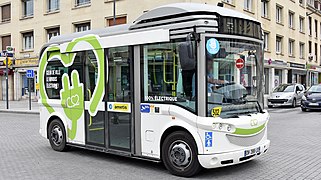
180, 154
56, 135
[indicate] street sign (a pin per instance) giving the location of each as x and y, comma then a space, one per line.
10, 49
30, 73
9, 62
239, 63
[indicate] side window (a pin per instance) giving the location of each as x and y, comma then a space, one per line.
168, 75
91, 74
53, 78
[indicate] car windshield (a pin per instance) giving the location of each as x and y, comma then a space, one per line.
284, 88
232, 81
315, 89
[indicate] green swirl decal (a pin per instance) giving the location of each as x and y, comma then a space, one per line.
72, 94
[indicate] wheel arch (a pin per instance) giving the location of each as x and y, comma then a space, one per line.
175, 128
53, 117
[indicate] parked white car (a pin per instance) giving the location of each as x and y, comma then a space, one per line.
286, 95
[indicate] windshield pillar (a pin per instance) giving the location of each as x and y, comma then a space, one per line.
201, 80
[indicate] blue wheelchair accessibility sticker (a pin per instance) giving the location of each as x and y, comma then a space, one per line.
145, 108
208, 139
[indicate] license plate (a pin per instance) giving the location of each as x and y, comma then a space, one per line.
314, 104
252, 151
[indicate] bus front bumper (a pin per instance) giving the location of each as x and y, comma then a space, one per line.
230, 158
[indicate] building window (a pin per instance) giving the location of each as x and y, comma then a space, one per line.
278, 44
301, 24
6, 13
266, 41
310, 26
248, 5
6, 41
301, 50
291, 47
27, 8
316, 51
82, 27
27, 41
316, 28
53, 5
53, 32
279, 14
310, 47
265, 9
118, 20
291, 19
81, 2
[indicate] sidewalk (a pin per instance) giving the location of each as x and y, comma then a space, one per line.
21, 106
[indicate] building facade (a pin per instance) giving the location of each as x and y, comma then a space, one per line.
292, 33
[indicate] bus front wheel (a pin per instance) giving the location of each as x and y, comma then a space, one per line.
179, 154
57, 136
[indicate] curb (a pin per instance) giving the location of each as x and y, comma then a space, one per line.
19, 111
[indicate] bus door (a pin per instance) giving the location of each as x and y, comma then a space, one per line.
95, 125
119, 98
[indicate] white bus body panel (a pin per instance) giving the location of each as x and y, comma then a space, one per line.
59, 112
155, 124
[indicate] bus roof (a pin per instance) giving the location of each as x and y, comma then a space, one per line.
169, 10
180, 8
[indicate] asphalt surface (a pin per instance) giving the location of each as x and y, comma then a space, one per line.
295, 153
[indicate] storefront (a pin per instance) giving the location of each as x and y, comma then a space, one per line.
21, 81
313, 74
275, 73
297, 73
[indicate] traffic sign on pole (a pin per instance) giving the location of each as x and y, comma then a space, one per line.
239, 63
30, 73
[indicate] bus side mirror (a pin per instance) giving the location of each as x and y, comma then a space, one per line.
186, 55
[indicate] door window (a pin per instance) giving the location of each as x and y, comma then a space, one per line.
119, 97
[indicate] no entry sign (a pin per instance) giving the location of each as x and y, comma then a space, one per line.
239, 63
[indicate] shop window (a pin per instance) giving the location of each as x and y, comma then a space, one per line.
166, 78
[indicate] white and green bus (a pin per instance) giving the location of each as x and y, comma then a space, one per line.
182, 85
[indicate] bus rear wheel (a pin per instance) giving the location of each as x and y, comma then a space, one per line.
179, 154
57, 136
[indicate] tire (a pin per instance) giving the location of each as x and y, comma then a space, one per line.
57, 136
304, 109
294, 103
186, 164
270, 106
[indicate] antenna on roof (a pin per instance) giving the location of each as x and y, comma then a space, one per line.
220, 4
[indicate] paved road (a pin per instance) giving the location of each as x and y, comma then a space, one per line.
294, 154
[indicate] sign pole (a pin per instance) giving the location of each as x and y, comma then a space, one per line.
29, 88
7, 84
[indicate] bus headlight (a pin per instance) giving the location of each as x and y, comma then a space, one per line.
223, 127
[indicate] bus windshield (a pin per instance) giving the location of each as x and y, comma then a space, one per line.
232, 81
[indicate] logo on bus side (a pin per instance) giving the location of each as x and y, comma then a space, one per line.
254, 122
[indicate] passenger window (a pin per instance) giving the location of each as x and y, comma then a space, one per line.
168, 74
53, 78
